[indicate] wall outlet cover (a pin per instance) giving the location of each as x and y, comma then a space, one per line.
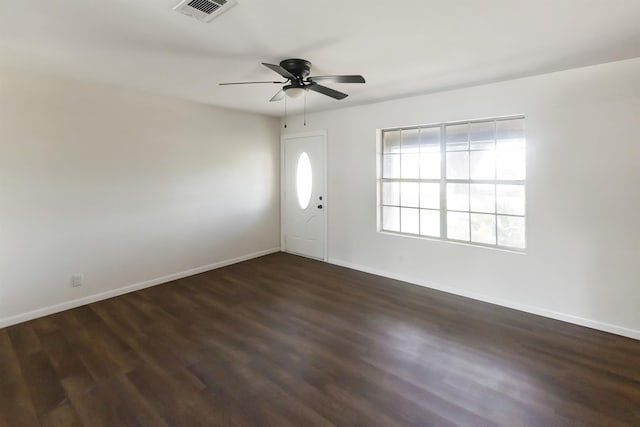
77, 280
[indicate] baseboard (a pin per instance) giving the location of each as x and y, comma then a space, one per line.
593, 324
45, 311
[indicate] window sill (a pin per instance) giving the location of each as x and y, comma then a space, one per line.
456, 242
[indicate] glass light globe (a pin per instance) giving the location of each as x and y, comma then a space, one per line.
295, 92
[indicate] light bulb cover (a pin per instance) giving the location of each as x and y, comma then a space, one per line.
295, 92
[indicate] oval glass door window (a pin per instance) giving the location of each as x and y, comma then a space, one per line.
304, 180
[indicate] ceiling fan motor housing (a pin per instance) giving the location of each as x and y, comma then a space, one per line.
299, 68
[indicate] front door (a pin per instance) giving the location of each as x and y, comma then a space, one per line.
304, 195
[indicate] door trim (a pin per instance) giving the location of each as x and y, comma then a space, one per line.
283, 216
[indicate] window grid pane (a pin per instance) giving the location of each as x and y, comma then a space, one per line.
465, 179
430, 222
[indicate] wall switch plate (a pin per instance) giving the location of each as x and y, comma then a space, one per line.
76, 280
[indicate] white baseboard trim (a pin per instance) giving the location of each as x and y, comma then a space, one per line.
30, 315
593, 324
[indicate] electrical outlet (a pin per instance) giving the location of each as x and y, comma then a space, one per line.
76, 280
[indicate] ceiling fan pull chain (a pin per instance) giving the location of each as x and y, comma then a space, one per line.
305, 108
285, 112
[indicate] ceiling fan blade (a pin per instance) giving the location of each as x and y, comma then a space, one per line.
278, 69
338, 79
278, 96
247, 83
327, 91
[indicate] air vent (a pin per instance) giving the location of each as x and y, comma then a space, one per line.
204, 10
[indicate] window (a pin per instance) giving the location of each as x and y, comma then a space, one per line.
304, 180
462, 181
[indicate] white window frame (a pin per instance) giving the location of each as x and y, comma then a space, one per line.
443, 181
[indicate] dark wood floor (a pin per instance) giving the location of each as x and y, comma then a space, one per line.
286, 341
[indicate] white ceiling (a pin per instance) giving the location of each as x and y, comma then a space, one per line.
401, 47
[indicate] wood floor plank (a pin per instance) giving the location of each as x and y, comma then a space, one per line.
16, 406
185, 406
62, 416
93, 409
9, 364
24, 339
93, 352
44, 388
69, 368
44, 325
286, 341
160, 357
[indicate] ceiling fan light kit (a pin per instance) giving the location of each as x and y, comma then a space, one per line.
294, 92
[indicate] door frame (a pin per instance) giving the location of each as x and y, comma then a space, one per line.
283, 184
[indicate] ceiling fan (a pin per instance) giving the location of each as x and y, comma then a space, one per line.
296, 72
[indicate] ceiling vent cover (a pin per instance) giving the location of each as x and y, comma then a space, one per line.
204, 10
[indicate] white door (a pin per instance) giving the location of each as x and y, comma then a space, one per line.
304, 195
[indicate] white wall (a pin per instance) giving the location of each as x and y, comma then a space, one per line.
124, 187
583, 196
